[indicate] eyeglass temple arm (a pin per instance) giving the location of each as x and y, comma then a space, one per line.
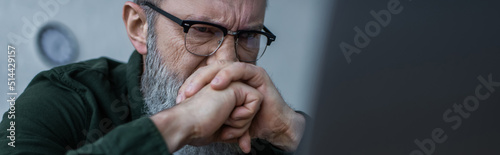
267, 30
166, 14
272, 37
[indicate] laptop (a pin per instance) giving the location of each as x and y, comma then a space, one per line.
415, 77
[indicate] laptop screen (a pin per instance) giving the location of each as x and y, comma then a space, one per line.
412, 77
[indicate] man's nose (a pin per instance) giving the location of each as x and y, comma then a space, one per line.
226, 51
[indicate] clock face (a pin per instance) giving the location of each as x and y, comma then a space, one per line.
57, 45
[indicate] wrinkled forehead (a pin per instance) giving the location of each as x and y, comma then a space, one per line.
232, 14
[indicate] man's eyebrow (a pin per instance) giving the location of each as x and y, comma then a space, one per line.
204, 19
255, 27
197, 17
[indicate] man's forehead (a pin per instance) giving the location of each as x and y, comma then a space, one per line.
245, 14
247, 26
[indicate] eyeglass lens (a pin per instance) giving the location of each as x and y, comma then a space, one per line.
204, 40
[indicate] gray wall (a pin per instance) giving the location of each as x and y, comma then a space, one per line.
99, 30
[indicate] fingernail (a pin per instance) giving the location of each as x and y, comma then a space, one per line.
215, 81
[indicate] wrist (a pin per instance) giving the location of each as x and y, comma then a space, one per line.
289, 139
173, 129
296, 131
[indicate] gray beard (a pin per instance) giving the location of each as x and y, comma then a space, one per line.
159, 88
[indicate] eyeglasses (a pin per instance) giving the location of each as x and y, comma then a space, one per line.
204, 38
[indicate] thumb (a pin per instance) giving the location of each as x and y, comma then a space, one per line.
245, 142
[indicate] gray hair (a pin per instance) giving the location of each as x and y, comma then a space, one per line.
150, 18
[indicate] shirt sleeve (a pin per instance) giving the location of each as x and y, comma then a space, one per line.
260, 146
51, 118
137, 137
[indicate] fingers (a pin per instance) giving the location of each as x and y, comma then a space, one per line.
245, 142
238, 123
220, 75
229, 133
240, 136
248, 102
229, 111
243, 115
199, 79
253, 75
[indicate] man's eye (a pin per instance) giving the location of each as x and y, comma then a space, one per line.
201, 29
249, 35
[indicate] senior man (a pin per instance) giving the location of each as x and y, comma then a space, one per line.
191, 87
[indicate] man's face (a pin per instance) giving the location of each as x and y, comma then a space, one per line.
232, 14
167, 66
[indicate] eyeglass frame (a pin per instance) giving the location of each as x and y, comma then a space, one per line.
186, 24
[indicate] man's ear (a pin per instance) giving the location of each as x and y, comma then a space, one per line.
136, 26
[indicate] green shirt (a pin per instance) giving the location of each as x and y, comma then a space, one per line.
91, 107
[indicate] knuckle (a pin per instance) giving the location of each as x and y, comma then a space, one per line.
240, 65
260, 69
252, 111
222, 62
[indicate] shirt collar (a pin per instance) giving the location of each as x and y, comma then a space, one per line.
133, 76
